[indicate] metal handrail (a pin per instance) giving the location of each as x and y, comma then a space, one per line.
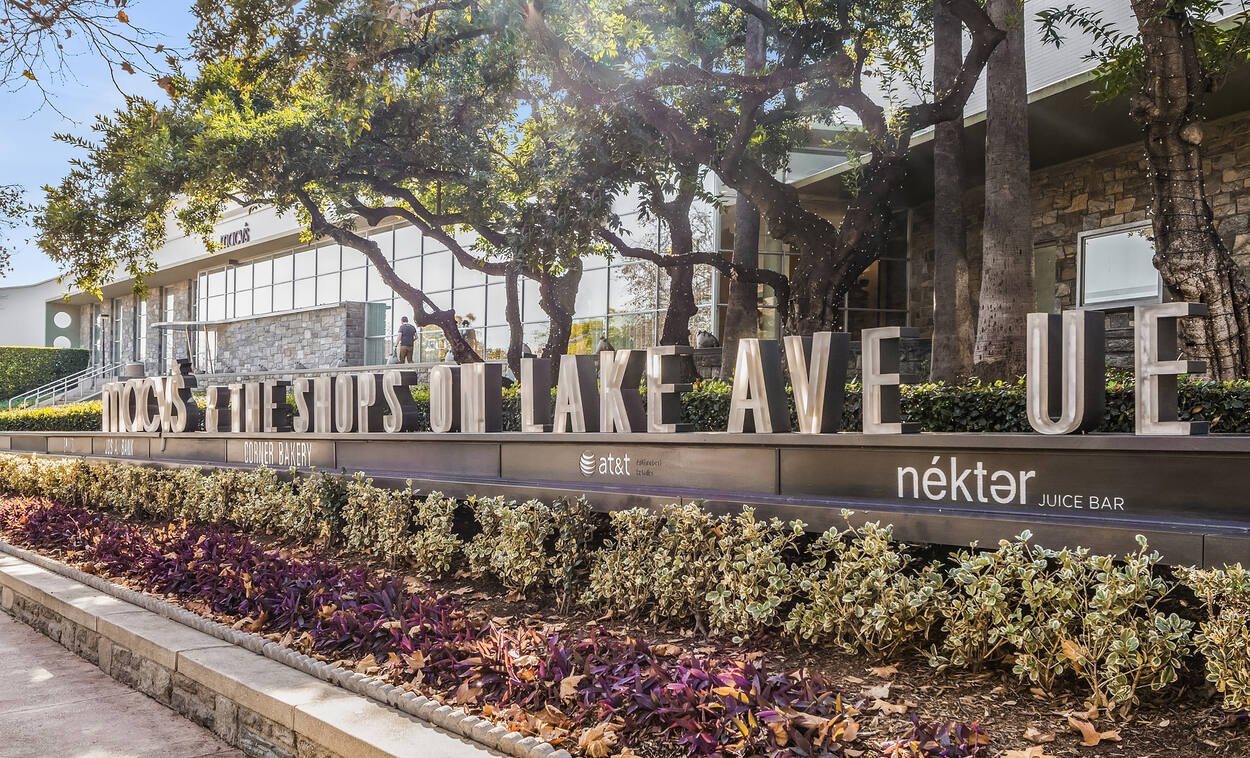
63, 385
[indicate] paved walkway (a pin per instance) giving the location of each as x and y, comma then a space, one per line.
54, 704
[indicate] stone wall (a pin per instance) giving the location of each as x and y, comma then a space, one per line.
1096, 192
323, 337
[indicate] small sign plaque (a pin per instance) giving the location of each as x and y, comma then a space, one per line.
281, 453
117, 447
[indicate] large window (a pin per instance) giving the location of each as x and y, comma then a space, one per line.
115, 329
141, 330
622, 300
1117, 268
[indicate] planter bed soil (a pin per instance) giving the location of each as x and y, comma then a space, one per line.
806, 699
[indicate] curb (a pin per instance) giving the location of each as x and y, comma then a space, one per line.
454, 720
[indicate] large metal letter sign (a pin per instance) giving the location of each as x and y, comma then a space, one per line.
404, 415
881, 380
149, 407
275, 413
481, 397
1156, 366
818, 376
1066, 379
535, 395
127, 409
369, 403
184, 412
620, 402
236, 406
345, 403
254, 409
758, 389
107, 407
302, 389
577, 399
216, 417
323, 404
444, 398
663, 390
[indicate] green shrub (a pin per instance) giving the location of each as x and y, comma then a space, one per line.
399, 527
573, 521
517, 542
316, 507
25, 368
1224, 639
1055, 612
1125, 641
984, 601
75, 417
663, 563
754, 576
863, 594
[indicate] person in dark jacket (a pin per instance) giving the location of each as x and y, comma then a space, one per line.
405, 338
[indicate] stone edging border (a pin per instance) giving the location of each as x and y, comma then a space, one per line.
454, 720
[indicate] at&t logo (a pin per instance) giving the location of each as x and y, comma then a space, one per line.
606, 465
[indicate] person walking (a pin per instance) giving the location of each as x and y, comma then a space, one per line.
405, 338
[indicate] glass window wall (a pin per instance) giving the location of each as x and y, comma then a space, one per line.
621, 299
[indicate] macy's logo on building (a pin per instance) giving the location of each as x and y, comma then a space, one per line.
607, 465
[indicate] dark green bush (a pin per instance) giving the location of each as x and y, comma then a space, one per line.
25, 368
972, 407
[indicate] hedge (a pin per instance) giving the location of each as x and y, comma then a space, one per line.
25, 368
972, 407
75, 417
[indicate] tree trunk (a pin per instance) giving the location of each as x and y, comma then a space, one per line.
512, 312
742, 319
1007, 254
1195, 264
951, 355
558, 298
742, 304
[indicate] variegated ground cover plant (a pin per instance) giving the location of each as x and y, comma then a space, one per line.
1059, 619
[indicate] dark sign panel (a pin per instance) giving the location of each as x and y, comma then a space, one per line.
736, 468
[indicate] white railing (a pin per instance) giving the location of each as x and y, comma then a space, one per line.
61, 389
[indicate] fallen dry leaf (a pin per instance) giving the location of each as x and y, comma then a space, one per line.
665, 649
467, 693
568, 686
883, 672
1038, 737
1032, 752
891, 709
599, 740
879, 692
1090, 736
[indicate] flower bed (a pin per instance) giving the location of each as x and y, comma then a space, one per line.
1065, 623
596, 691
1058, 619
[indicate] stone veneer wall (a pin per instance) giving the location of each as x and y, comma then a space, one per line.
1099, 191
322, 337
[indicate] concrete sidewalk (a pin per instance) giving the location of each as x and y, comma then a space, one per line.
56, 705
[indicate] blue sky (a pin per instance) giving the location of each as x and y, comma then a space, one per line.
31, 158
